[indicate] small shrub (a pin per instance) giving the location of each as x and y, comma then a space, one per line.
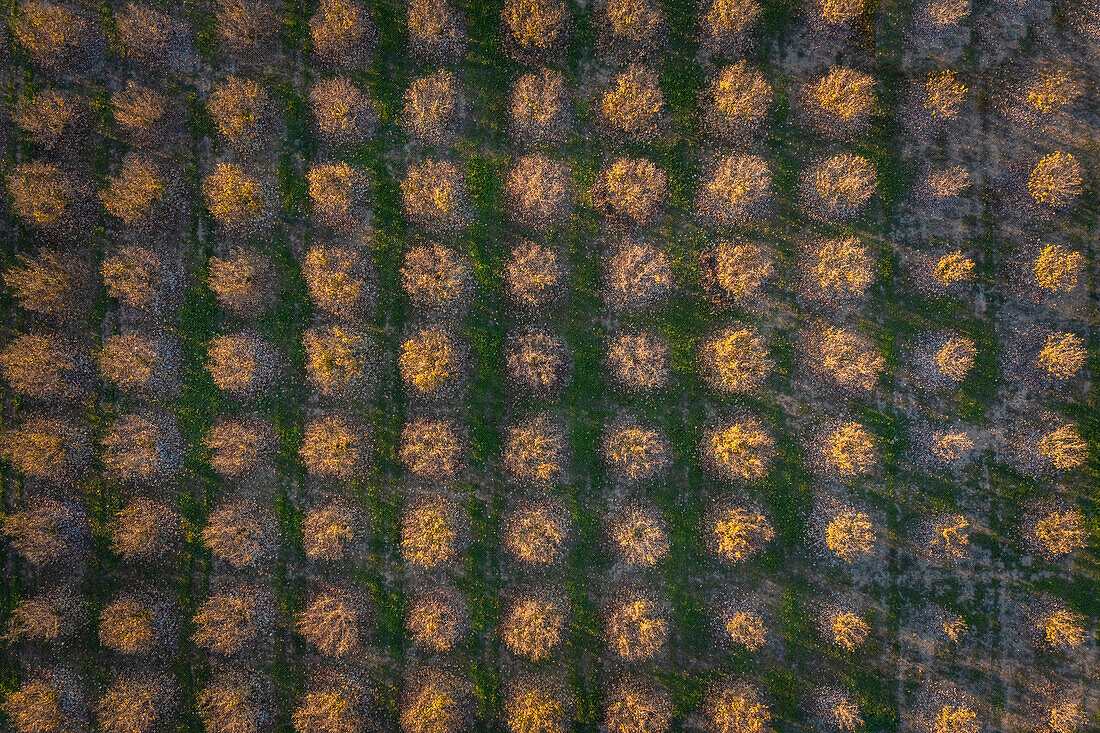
242, 533
334, 621
941, 187
48, 448
432, 448
940, 15
633, 452
739, 190
838, 188
430, 362
434, 106
631, 192
344, 113
236, 618
435, 197
539, 192
639, 362
145, 448
534, 451
539, 111
331, 532
436, 276
335, 448
533, 275
833, 13
138, 703
949, 538
343, 33
633, 108
48, 532
533, 625
47, 366
437, 33
1055, 181
535, 30
637, 627
437, 618
736, 360
840, 104
433, 530
146, 530
241, 447
638, 535
535, 533
53, 283
340, 282
239, 201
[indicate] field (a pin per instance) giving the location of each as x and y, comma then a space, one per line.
546, 365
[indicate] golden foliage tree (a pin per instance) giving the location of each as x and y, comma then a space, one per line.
948, 446
844, 357
832, 13
850, 535
429, 362
334, 703
155, 38
1062, 355
139, 365
1063, 629
638, 535
1051, 91
1066, 717
533, 625
955, 719
848, 630
942, 95
1063, 448
737, 533
135, 625
736, 360
431, 532
239, 201
944, 14
838, 188
47, 366
953, 268
634, 452
331, 531
245, 282
740, 189
637, 705
734, 708
945, 184
638, 274
142, 112
629, 29
955, 358
143, 447
841, 102
54, 616
742, 451
58, 38
639, 361
630, 192
1059, 533
637, 627
535, 532
48, 448
533, 275
335, 447
247, 29
436, 701
138, 703
49, 531
740, 270
436, 276
338, 195
242, 533
537, 361
242, 111
437, 33
137, 277
538, 705
539, 192
437, 618
849, 450
334, 621
243, 364
745, 629
737, 100
535, 30
1057, 269
240, 447
340, 282
146, 529
633, 107
340, 362
534, 451
432, 448
1055, 182
53, 283
54, 118
343, 33
47, 197
234, 619
235, 702
433, 108
434, 196
725, 25
836, 270
344, 113
539, 111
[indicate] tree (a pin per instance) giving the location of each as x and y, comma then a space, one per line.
436, 701
638, 535
737, 100
48, 448
537, 361
740, 269
146, 530
535, 30
741, 451
733, 708
849, 450
535, 533
953, 268
850, 535
141, 111
533, 275
340, 362
343, 33
243, 112
955, 719
950, 537
630, 192
143, 447
638, 274
433, 108
836, 270
943, 14
335, 447
335, 703
837, 189
942, 96
945, 184
1062, 356
54, 616
1063, 448
1055, 181
338, 195
49, 532
955, 358
841, 102
242, 533
949, 446
246, 30
634, 453
637, 705
331, 532
737, 533
429, 362
138, 703
846, 358
436, 276
334, 622
538, 705
1066, 717
534, 451
1051, 91
46, 197
432, 531
245, 282
634, 106
736, 360
639, 361
236, 702
60, 40
539, 192
431, 448
46, 366
739, 190
725, 26
54, 118
1059, 533
139, 365
837, 12
241, 447
154, 38
533, 625
1063, 629
238, 617
434, 196
340, 282
437, 618
136, 625
437, 33
848, 630
745, 629
50, 701
243, 364
837, 710
344, 113
539, 112
238, 201
53, 283
1057, 269
637, 627
629, 29
137, 277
